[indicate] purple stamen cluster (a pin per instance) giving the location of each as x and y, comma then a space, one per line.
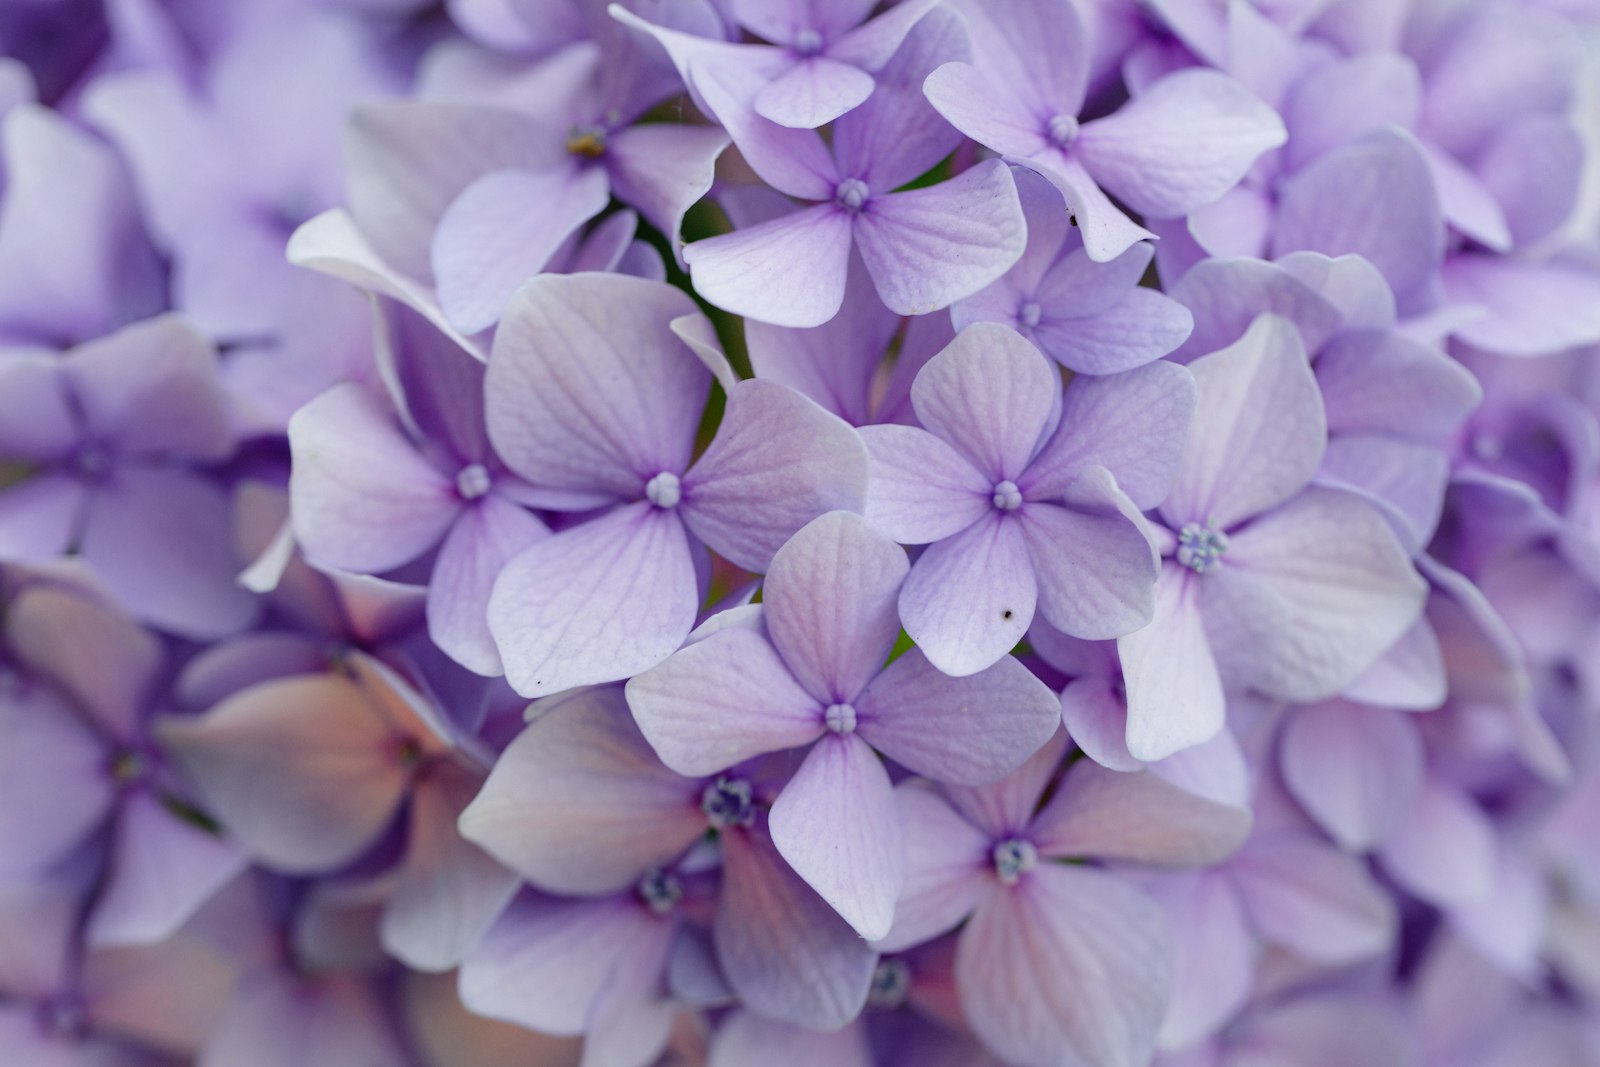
706, 533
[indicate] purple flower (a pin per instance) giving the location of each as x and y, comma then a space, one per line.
1023, 499
809, 668
594, 401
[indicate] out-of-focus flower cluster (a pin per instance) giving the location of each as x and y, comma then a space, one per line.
799, 533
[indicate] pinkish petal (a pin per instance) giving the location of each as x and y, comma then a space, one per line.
480, 544
1138, 817
1094, 711
1444, 850
1004, 808
745, 1038
1313, 899
947, 865
1214, 964
56, 781
1357, 769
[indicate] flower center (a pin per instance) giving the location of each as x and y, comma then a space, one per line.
1014, 858
64, 1016
807, 42
851, 194
660, 891
92, 461
589, 143
841, 718
1201, 546
728, 802
664, 490
472, 482
891, 983
1007, 497
1028, 314
1062, 130
128, 767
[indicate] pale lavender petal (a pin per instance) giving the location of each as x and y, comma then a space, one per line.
56, 786
947, 865
836, 824
304, 772
1071, 962
720, 701
447, 891
919, 488
1107, 231
1357, 769
783, 949
1344, 586
986, 109
1004, 808
1530, 308
1143, 326
595, 603
446, 1032
363, 498
152, 389
1181, 143
160, 539
1094, 711
1258, 432
583, 399
927, 248
1095, 569
1468, 207
492, 238
661, 169
745, 1038
1313, 899
1444, 851
1404, 480
1336, 103
829, 604
777, 462
579, 804
1537, 199
1138, 817
1039, 45
1227, 295
480, 544
337, 1016
970, 598
968, 731
1409, 676
1134, 424
990, 394
1174, 693
163, 870
1366, 377
871, 44
788, 272
1214, 958
36, 419
812, 93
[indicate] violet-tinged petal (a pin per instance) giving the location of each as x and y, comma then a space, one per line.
1094, 711
1227, 295
1409, 676
1444, 851
1145, 325
1468, 207
56, 786
584, 399
448, 890
1338, 102
331, 243
871, 44
1366, 377
1174, 692
745, 1038
160, 539
1041, 46
1537, 198
720, 701
1358, 770
1397, 224
579, 804
103, 660
970, 598
1181, 143
336, 1016
985, 109
947, 864
1096, 571
662, 169
777, 462
595, 603
1213, 959
789, 272
1136, 817
927, 248
830, 604
783, 949
544, 963
489, 241
1004, 808
990, 394
919, 488
1404, 480
36, 420
445, 1032
1313, 899
969, 731
1345, 587
1258, 432
362, 497
1107, 231
1531, 309
1134, 424
302, 771
152, 389
812, 93
480, 544
1071, 962
835, 823
163, 869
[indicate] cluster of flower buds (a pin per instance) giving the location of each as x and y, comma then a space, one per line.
799, 533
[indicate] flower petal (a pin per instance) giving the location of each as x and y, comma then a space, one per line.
790, 271
480, 544
947, 865
1095, 569
1313, 899
970, 598
1174, 692
1358, 770
919, 489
